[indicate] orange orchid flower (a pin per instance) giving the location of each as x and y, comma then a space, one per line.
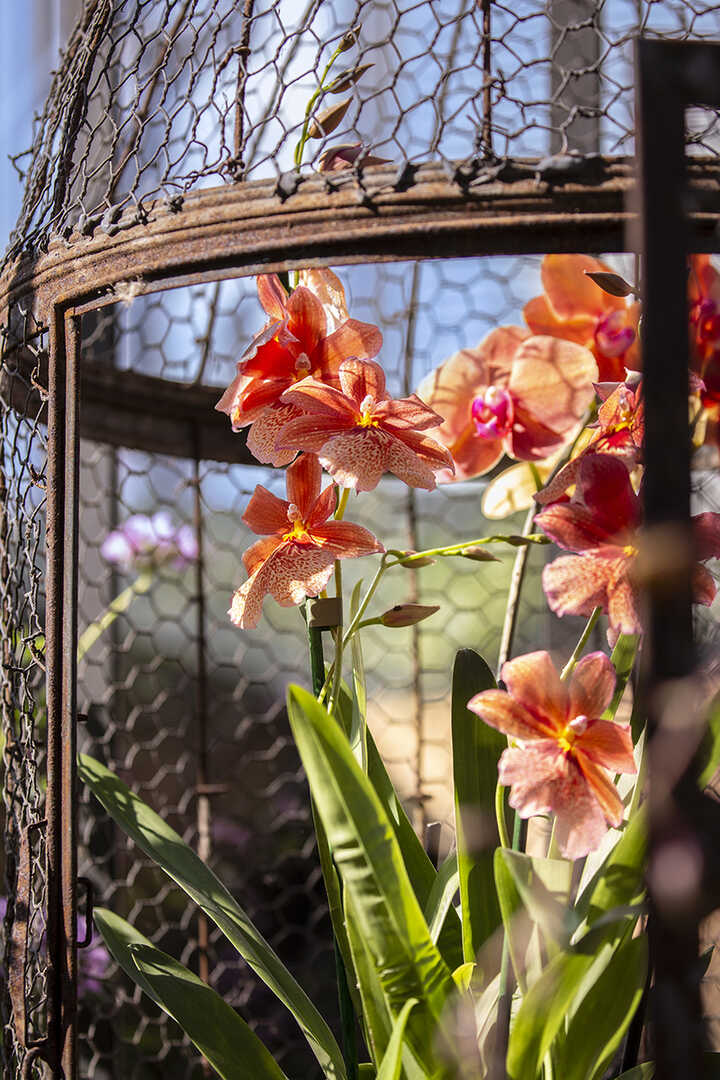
309, 333
514, 393
565, 748
619, 430
360, 432
575, 308
301, 544
600, 523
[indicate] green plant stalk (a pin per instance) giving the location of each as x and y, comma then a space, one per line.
314, 98
347, 1013
582, 642
500, 815
117, 607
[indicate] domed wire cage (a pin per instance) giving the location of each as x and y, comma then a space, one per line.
160, 181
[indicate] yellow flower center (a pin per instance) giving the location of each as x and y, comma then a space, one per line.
630, 551
299, 530
366, 413
302, 367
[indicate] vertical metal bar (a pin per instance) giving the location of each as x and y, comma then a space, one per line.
69, 698
238, 162
54, 660
662, 97
486, 136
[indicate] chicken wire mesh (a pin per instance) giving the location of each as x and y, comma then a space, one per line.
151, 101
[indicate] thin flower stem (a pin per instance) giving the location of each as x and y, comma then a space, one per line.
582, 642
117, 607
500, 815
317, 660
513, 599
553, 850
337, 672
315, 97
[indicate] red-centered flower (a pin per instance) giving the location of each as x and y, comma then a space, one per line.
575, 308
513, 393
301, 544
619, 431
565, 748
360, 432
309, 333
600, 522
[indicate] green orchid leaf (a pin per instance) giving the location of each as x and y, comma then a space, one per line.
707, 759
623, 660
619, 881
392, 1061
368, 858
219, 1033
476, 751
170, 852
441, 896
646, 1071
598, 1024
544, 888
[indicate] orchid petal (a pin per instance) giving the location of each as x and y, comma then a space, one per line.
307, 319
572, 527
603, 789
408, 412
577, 584
356, 459
272, 295
310, 433
303, 480
347, 540
313, 396
265, 513
259, 551
623, 602
360, 379
604, 486
533, 680
263, 435
706, 528
570, 290
552, 380
703, 586
581, 822
352, 339
409, 466
502, 712
330, 292
291, 573
322, 508
532, 775
542, 319
607, 744
591, 686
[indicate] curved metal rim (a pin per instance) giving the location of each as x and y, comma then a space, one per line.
246, 229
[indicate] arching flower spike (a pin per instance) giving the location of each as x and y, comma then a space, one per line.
575, 308
360, 432
564, 747
296, 558
309, 333
514, 394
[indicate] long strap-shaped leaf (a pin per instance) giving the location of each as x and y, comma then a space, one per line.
221, 1036
392, 1062
476, 751
170, 852
369, 861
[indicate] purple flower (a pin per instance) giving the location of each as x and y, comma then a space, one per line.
143, 543
93, 963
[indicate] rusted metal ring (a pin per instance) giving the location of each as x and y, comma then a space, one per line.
87, 937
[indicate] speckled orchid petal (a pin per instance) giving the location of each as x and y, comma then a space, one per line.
303, 480
501, 711
533, 680
623, 606
323, 508
355, 459
608, 744
591, 686
532, 773
362, 379
263, 436
260, 394
259, 551
574, 528
433, 453
265, 514
577, 584
703, 586
552, 380
310, 433
603, 789
409, 466
408, 412
290, 574
317, 398
581, 823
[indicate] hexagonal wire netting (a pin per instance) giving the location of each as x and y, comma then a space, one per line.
152, 100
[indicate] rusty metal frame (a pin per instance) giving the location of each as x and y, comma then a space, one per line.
670, 77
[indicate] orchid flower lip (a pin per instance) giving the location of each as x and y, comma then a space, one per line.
492, 412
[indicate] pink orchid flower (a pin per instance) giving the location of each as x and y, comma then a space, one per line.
575, 308
360, 432
600, 522
514, 394
565, 748
301, 544
309, 333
